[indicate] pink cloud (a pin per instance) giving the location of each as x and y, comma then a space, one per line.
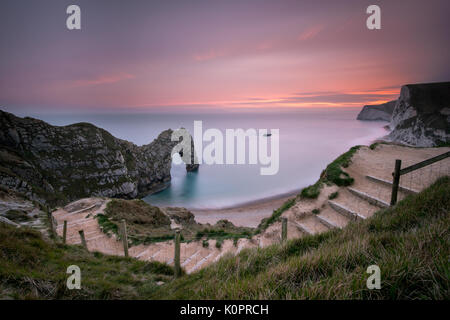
310, 33
209, 55
103, 79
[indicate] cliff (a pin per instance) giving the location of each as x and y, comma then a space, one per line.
421, 116
56, 165
377, 112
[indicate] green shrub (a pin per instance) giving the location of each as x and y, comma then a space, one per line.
219, 243
334, 195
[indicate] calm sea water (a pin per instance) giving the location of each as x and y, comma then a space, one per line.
309, 140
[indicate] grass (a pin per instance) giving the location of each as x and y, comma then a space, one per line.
334, 195
32, 268
373, 146
219, 243
333, 174
266, 222
222, 234
409, 242
106, 225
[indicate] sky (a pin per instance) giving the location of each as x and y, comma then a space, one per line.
174, 56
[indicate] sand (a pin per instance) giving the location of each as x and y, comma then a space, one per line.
246, 215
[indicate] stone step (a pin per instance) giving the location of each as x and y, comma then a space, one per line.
354, 204
74, 223
352, 215
190, 258
369, 198
311, 225
96, 237
389, 183
201, 262
332, 218
86, 235
195, 258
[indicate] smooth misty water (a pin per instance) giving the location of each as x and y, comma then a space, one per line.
309, 140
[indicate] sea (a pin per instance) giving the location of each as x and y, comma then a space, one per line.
309, 139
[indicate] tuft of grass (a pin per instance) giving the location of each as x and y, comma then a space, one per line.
219, 243
373, 146
409, 242
334, 195
334, 173
266, 222
106, 225
313, 191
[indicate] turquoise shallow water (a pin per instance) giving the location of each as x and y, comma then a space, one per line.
309, 140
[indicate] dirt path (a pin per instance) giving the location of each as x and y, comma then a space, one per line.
371, 170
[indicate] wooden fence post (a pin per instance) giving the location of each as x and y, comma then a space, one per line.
65, 231
83, 240
283, 229
176, 259
124, 238
50, 221
395, 182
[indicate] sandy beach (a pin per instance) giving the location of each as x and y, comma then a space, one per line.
247, 215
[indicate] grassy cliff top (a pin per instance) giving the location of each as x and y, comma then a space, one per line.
410, 244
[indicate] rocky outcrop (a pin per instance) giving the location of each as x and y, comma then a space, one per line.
421, 115
377, 112
60, 164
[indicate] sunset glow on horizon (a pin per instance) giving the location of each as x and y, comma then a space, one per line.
149, 55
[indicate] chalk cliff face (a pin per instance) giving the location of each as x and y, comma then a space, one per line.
421, 115
60, 164
377, 112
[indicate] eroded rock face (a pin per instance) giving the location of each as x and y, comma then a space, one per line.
381, 112
421, 115
60, 164
181, 215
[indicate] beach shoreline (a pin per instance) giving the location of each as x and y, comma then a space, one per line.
247, 214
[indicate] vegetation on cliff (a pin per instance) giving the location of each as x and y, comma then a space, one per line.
147, 223
333, 174
410, 244
32, 268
